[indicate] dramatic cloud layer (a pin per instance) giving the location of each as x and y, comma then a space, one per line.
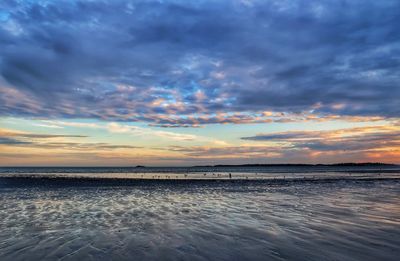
89, 82
377, 143
373, 143
188, 63
46, 141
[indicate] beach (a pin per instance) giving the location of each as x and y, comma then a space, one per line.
199, 130
110, 219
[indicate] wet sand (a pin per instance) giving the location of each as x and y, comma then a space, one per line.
98, 219
125, 177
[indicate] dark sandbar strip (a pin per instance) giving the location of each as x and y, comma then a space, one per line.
38, 181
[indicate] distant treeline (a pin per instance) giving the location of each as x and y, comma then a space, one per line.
366, 164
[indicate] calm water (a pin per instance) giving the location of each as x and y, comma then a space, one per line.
342, 219
252, 173
236, 169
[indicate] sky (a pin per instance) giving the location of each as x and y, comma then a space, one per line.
181, 83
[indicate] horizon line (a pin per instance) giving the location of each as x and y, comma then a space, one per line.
215, 165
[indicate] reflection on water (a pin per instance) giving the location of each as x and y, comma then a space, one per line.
296, 172
340, 220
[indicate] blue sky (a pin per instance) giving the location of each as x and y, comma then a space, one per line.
169, 78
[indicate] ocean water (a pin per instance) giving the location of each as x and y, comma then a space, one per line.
354, 218
210, 173
271, 169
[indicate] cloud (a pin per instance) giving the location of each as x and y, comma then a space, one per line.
358, 144
119, 128
282, 136
61, 124
12, 141
46, 141
229, 151
181, 63
17, 134
85, 146
360, 139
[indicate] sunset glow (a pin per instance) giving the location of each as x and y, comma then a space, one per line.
181, 83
